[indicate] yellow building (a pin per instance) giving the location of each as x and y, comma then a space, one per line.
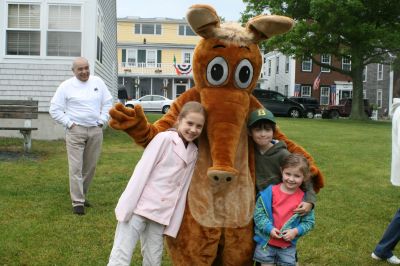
155, 56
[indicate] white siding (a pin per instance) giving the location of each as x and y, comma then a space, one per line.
108, 70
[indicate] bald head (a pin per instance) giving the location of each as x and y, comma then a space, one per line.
80, 68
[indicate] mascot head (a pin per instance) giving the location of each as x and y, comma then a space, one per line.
226, 66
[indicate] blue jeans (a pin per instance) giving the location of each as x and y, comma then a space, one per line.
390, 238
278, 256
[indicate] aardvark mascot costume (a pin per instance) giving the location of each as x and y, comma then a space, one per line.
217, 227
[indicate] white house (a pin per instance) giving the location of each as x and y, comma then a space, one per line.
40, 40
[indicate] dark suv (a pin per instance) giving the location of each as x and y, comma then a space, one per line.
279, 104
310, 104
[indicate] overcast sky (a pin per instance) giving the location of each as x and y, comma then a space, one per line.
229, 9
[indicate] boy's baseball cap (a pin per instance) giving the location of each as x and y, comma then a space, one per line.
260, 114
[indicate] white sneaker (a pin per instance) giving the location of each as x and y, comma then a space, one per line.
375, 257
393, 260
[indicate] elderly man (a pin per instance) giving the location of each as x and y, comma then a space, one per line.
391, 237
81, 104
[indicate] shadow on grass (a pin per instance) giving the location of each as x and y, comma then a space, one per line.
18, 155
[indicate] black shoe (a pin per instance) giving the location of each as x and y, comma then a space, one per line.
79, 210
87, 204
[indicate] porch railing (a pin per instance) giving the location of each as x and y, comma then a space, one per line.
148, 69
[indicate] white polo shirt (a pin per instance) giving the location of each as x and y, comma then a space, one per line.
83, 103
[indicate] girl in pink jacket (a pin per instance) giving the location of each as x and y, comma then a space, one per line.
153, 202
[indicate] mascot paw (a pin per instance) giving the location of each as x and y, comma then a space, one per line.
123, 118
317, 178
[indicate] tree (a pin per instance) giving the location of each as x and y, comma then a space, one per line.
365, 31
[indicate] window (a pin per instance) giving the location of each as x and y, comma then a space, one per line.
286, 92
364, 74
151, 57
64, 30
131, 57
306, 65
23, 29
185, 30
379, 98
324, 98
269, 67
100, 35
287, 64
346, 63
148, 28
277, 65
59, 35
276, 88
326, 59
380, 72
306, 91
187, 58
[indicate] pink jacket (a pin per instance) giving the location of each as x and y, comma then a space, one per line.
158, 187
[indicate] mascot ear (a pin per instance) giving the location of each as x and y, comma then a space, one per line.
203, 19
265, 26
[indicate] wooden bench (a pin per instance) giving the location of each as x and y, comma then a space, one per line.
20, 109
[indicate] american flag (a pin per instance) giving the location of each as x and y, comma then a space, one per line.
317, 81
297, 90
333, 95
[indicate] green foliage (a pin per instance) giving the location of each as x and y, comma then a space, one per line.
38, 228
365, 31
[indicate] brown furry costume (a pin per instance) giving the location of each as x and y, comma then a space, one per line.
217, 227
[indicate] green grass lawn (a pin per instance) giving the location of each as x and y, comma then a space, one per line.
38, 228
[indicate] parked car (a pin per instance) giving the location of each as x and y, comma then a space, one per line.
310, 104
343, 109
155, 103
279, 104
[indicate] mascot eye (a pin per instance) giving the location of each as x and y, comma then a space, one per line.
244, 74
217, 71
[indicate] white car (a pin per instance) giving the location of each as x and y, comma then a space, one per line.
155, 103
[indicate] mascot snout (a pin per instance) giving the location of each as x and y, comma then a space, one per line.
228, 108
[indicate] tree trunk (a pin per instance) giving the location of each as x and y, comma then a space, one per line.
357, 109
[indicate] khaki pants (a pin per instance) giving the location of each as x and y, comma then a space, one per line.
83, 148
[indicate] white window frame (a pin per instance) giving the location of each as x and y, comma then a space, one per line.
306, 65
44, 30
269, 67
379, 97
287, 60
100, 35
277, 65
326, 59
64, 30
186, 28
324, 95
379, 74
187, 55
149, 63
34, 28
365, 73
346, 63
286, 92
131, 53
141, 28
305, 90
